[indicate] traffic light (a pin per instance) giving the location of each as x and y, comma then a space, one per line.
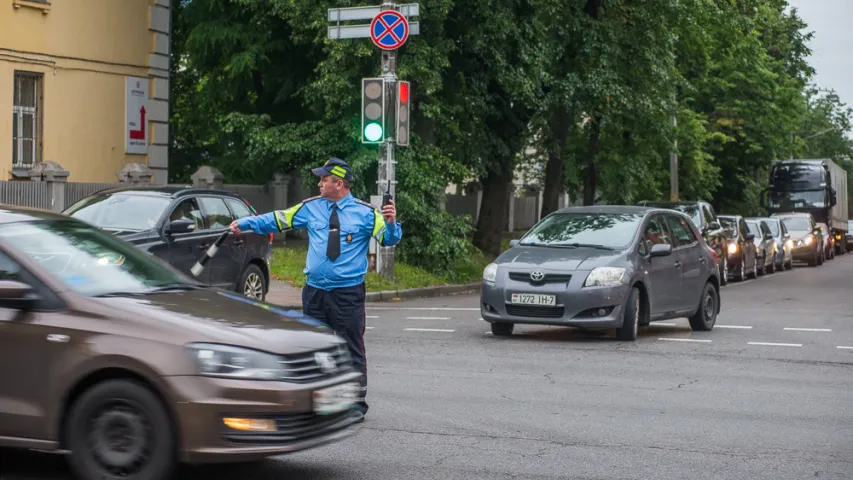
372, 110
403, 104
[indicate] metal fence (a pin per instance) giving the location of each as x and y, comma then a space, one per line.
26, 194
76, 191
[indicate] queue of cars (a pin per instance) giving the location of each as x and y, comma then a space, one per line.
112, 354
624, 267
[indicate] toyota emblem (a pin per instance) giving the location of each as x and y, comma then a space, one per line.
537, 276
326, 362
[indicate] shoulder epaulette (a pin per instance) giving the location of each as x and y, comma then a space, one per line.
312, 199
372, 207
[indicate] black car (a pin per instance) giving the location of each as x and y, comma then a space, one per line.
705, 218
741, 250
178, 224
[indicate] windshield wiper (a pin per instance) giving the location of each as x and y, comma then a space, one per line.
590, 245
174, 287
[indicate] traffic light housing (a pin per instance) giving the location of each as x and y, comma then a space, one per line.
403, 109
372, 110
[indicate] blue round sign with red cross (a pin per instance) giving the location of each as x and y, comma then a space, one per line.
389, 30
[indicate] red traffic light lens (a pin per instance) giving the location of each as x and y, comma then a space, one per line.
404, 92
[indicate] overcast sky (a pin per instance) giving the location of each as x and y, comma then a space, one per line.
832, 44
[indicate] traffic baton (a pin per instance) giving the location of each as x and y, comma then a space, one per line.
199, 265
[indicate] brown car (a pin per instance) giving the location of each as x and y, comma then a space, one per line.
131, 367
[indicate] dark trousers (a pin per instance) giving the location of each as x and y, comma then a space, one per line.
342, 309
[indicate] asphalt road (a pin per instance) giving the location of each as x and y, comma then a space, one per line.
768, 394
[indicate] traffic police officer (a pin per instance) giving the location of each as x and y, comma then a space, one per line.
339, 228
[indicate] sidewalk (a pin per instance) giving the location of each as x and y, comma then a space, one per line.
284, 294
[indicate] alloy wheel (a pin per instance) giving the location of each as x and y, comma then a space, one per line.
254, 286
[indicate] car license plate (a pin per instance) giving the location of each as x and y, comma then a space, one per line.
336, 399
533, 299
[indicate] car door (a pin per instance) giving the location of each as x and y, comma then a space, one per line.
29, 348
225, 268
183, 250
254, 244
663, 274
693, 263
748, 246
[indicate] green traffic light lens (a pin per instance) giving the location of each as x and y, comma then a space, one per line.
372, 132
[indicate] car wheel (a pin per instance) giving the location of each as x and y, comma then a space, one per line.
119, 428
502, 329
772, 267
706, 315
630, 318
754, 273
724, 270
742, 275
252, 283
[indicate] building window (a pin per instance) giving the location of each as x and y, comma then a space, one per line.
26, 119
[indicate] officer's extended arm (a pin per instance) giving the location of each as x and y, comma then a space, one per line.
387, 234
275, 221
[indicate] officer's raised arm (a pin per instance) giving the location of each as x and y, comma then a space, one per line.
273, 222
386, 229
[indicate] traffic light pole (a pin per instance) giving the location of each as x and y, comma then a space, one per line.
385, 256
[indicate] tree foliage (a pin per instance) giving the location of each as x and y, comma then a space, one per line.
592, 85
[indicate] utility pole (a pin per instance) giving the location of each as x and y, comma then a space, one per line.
673, 157
389, 29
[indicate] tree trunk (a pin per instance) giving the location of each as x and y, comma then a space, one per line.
554, 169
493, 209
590, 173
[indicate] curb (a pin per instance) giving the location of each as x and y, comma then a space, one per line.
412, 293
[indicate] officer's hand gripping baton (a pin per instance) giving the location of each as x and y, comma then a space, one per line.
199, 265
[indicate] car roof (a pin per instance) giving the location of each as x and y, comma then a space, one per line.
613, 209
16, 213
172, 191
730, 216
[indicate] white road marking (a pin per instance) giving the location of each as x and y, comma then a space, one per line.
428, 309
844, 348
775, 344
372, 316
427, 318
808, 329
428, 330
663, 324
369, 328
732, 326
684, 340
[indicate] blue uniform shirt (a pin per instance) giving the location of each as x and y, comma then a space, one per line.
359, 222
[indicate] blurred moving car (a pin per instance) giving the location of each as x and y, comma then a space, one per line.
178, 224
784, 254
806, 238
765, 245
616, 267
741, 250
112, 354
705, 219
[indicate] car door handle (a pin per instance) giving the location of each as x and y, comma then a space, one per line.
204, 247
677, 264
237, 243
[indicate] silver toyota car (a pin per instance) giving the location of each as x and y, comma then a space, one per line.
596, 267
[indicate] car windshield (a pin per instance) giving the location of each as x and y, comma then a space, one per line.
120, 212
88, 260
729, 223
796, 223
754, 228
797, 199
691, 211
774, 227
609, 230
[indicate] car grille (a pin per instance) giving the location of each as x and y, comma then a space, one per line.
534, 312
303, 368
294, 427
549, 278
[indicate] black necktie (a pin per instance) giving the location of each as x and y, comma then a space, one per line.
333, 247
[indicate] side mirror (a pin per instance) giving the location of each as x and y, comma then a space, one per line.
749, 237
833, 199
768, 236
17, 295
661, 250
786, 236
714, 226
513, 243
762, 198
182, 225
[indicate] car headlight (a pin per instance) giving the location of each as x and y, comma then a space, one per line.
733, 248
789, 244
605, 277
235, 362
809, 239
490, 272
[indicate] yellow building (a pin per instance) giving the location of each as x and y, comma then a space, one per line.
87, 86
